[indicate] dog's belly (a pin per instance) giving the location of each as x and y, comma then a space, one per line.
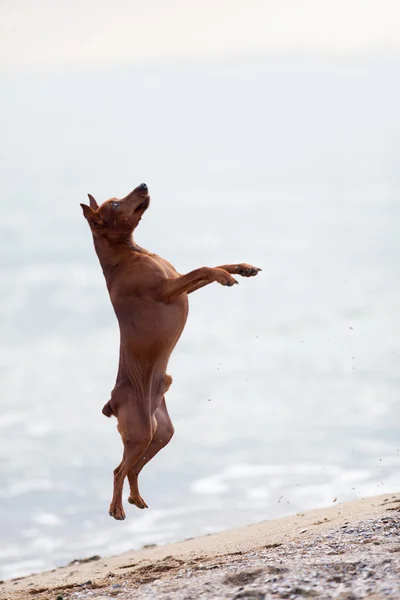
149, 332
150, 329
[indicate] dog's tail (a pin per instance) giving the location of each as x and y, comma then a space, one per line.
107, 410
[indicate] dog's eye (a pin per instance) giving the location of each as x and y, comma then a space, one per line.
115, 205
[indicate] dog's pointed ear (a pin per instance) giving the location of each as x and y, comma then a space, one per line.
90, 215
93, 203
88, 212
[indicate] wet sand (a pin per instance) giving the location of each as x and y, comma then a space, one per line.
346, 551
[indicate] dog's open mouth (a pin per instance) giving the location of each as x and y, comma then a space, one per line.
144, 204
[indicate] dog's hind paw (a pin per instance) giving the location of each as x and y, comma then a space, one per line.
137, 501
117, 513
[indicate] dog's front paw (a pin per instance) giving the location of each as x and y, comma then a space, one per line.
223, 277
246, 270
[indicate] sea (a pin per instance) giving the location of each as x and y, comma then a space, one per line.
286, 387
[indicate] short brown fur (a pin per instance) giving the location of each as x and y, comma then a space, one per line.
150, 300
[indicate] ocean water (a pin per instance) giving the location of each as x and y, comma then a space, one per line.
286, 387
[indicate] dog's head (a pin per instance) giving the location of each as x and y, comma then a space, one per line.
115, 218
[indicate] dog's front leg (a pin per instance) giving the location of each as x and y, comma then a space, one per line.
172, 288
242, 269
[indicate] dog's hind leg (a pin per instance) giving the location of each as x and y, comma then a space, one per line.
136, 429
161, 437
107, 410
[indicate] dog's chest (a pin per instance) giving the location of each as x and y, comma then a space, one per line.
139, 279
167, 269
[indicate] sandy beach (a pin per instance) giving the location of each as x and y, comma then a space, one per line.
346, 551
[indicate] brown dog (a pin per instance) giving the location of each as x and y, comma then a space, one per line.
150, 301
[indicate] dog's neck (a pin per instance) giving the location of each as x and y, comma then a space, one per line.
112, 252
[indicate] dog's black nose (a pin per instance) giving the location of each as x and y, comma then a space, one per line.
143, 187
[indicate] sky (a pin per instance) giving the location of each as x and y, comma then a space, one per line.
44, 35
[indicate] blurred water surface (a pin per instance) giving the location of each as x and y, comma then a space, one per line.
286, 387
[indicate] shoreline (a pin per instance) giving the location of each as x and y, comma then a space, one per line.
134, 573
